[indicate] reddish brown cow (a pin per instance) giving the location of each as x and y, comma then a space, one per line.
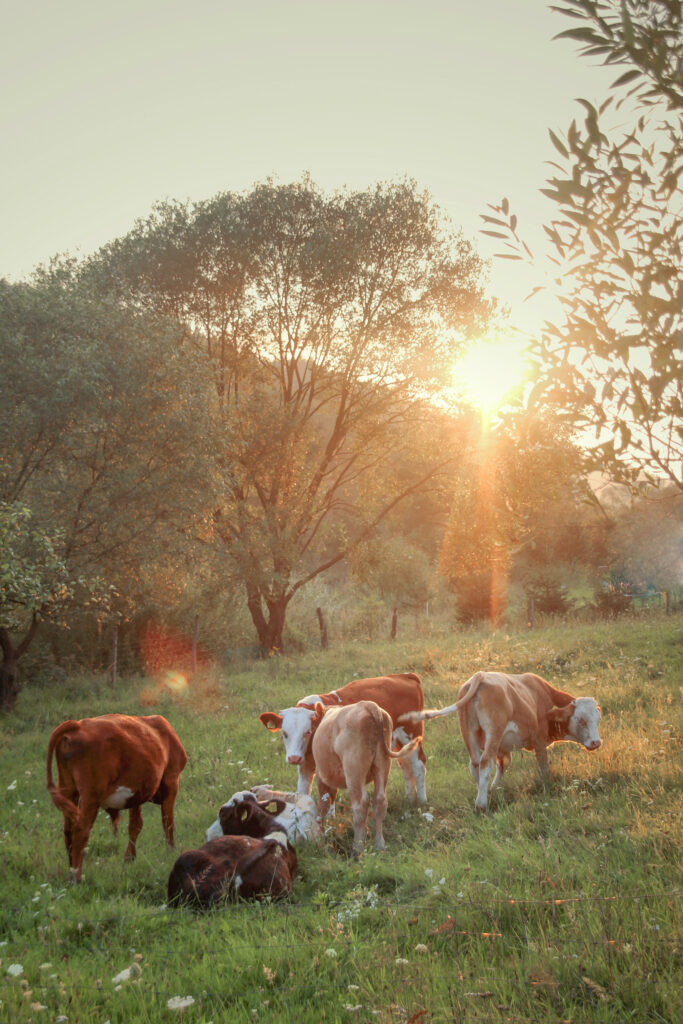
396, 694
116, 762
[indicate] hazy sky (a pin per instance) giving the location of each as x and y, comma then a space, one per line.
108, 107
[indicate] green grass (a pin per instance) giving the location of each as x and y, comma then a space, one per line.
562, 904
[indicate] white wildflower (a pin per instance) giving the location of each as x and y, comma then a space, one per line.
427, 816
37, 1007
353, 1009
401, 961
134, 971
46, 966
14, 970
353, 988
442, 881
180, 1002
421, 948
332, 953
13, 785
429, 872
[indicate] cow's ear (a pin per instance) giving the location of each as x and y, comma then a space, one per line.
318, 713
271, 720
273, 806
561, 714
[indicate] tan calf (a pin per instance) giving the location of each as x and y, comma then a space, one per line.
352, 747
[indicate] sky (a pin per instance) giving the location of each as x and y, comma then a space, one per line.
109, 107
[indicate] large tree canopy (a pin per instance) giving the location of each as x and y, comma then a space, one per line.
612, 360
329, 322
99, 413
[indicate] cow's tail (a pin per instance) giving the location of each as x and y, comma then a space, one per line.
470, 688
407, 749
66, 806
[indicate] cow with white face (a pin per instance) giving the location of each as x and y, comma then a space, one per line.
500, 713
397, 694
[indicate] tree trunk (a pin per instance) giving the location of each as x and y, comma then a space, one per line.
9, 668
269, 630
323, 629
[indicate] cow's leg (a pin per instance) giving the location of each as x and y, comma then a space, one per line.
502, 763
87, 812
170, 792
542, 761
399, 738
305, 783
360, 804
134, 829
379, 806
486, 761
115, 815
420, 772
326, 797
474, 771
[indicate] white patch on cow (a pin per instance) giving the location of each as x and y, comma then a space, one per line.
214, 831
118, 799
583, 725
314, 698
279, 837
511, 738
414, 772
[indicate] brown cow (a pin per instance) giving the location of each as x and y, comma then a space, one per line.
116, 762
396, 694
499, 713
352, 747
252, 859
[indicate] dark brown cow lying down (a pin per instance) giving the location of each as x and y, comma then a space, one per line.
117, 762
255, 860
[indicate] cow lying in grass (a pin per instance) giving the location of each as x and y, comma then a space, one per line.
116, 762
352, 747
500, 713
255, 859
299, 815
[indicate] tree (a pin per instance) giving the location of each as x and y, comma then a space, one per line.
328, 322
35, 583
511, 472
99, 414
613, 361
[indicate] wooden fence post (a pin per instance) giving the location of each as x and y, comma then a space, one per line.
195, 634
394, 623
323, 629
115, 652
530, 616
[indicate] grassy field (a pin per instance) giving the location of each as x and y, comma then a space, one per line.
562, 904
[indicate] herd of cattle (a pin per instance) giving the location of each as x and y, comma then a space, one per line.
348, 738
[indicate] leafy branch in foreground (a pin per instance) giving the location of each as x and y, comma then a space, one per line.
613, 361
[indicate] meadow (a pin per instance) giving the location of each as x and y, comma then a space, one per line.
561, 904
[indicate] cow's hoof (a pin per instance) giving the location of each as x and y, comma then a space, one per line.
480, 808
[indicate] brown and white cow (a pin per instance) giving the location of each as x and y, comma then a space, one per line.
297, 811
252, 859
352, 747
396, 694
499, 713
116, 762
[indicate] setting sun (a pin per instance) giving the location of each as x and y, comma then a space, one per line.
491, 371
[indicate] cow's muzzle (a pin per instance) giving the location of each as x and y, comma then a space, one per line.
593, 744
294, 759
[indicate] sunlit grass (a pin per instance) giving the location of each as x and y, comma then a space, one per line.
558, 905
